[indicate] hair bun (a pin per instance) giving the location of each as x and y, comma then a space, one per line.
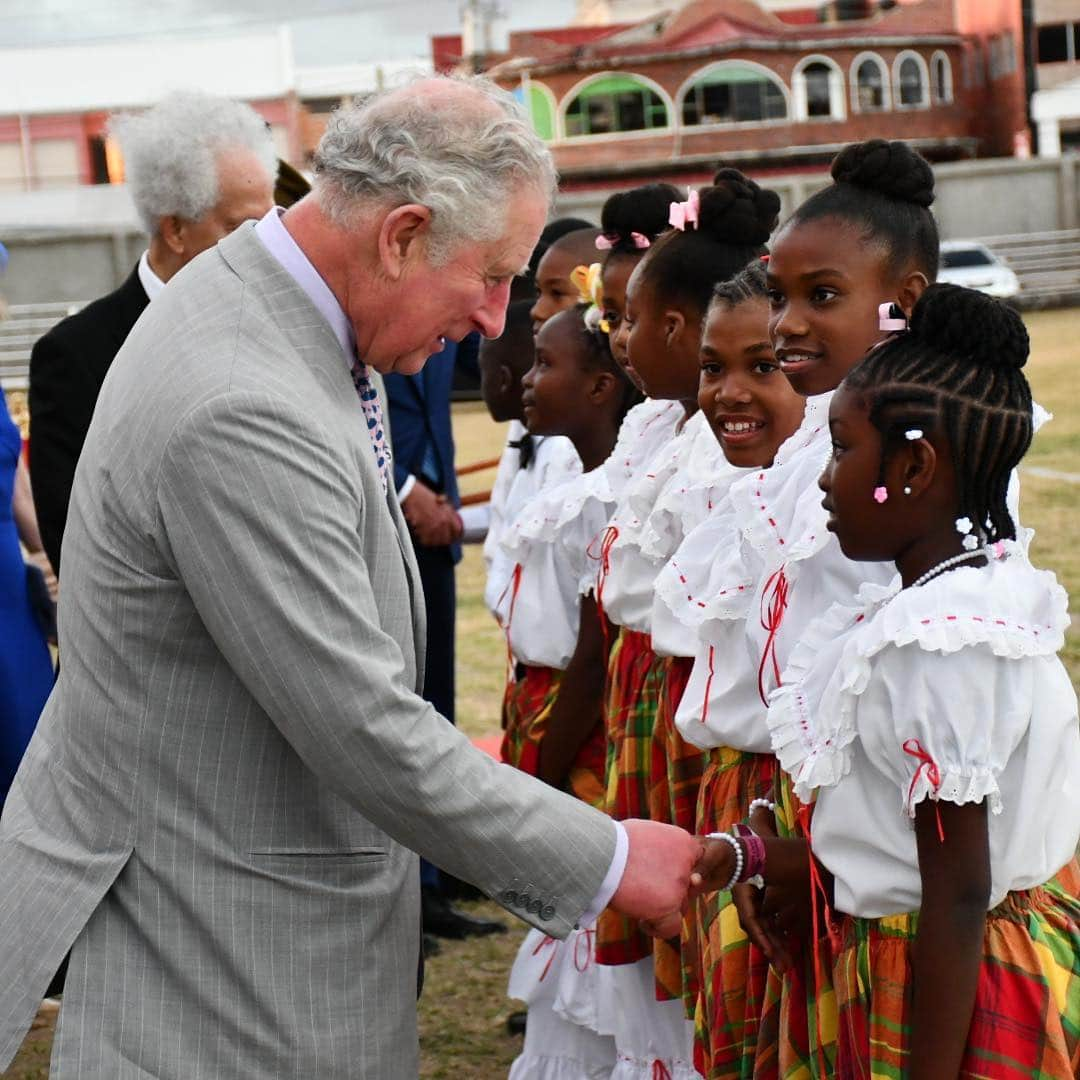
641, 210
966, 323
736, 210
892, 169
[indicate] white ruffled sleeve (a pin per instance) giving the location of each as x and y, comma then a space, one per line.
944, 726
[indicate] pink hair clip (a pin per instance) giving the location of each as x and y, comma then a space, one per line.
606, 241
684, 215
890, 318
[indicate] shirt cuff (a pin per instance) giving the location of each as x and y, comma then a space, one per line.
613, 878
406, 488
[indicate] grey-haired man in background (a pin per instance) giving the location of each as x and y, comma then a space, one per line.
197, 166
220, 807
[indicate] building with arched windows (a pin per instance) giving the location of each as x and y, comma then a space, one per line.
767, 86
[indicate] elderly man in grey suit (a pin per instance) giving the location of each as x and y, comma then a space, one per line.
219, 811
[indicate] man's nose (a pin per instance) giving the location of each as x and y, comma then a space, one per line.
490, 317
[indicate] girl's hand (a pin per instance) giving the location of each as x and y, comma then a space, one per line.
715, 867
761, 927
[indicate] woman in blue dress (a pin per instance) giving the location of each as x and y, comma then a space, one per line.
26, 670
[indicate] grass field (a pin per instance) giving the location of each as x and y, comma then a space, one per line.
464, 1007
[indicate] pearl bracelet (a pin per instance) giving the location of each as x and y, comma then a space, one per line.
770, 806
740, 859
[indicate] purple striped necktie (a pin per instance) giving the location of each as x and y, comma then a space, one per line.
373, 417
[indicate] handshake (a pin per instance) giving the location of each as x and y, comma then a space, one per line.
666, 867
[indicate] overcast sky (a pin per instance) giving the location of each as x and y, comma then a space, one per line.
330, 32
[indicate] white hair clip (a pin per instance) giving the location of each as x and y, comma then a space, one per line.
913, 433
891, 318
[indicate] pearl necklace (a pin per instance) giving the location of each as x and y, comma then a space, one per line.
946, 564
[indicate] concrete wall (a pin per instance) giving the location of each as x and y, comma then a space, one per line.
998, 197
975, 198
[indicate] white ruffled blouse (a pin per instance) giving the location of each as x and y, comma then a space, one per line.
671, 492
554, 462
552, 548
952, 690
723, 575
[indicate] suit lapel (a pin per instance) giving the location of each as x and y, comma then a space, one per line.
303, 325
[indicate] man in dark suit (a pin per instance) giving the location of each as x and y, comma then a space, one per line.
198, 166
422, 443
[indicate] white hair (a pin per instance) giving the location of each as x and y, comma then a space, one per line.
171, 152
464, 156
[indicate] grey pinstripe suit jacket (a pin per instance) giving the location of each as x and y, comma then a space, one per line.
218, 806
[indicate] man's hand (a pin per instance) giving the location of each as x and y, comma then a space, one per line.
656, 879
434, 522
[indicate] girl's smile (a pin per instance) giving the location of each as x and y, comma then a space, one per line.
750, 406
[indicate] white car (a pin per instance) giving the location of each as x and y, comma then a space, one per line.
965, 262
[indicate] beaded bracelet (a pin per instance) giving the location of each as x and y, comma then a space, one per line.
770, 806
754, 848
740, 859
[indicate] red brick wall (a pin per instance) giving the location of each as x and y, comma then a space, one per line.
964, 117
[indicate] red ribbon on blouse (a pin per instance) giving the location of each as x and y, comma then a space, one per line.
933, 774
773, 605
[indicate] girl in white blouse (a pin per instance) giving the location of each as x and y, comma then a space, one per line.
937, 724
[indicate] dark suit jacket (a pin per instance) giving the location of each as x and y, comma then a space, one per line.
419, 407
67, 367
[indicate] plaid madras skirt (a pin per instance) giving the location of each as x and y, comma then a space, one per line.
527, 705
730, 981
1026, 1022
797, 1029
635, 681
674, 779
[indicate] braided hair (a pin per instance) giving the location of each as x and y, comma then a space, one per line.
957, 373
735, 219
642, 210
748, 284
596, 357
885, 189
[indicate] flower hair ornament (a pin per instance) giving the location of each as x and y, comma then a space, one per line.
684, 215
586, 279
966, 530
606, 241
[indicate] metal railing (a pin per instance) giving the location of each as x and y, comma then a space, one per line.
1047, 264
22, 326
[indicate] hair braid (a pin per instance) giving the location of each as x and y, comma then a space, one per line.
957, 373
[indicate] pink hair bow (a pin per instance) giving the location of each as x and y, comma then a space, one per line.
684, 215
606, 241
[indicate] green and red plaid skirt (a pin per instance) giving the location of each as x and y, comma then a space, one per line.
676, 768
797, 1029
1026, 1022
731, 973
635, 681
527, 705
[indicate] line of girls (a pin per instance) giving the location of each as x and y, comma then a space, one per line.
779, 595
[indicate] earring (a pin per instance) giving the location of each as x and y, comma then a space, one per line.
881, 493
907, 490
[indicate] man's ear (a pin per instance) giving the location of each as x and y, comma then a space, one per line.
171, 230
402, 236
912, 286
674, 324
